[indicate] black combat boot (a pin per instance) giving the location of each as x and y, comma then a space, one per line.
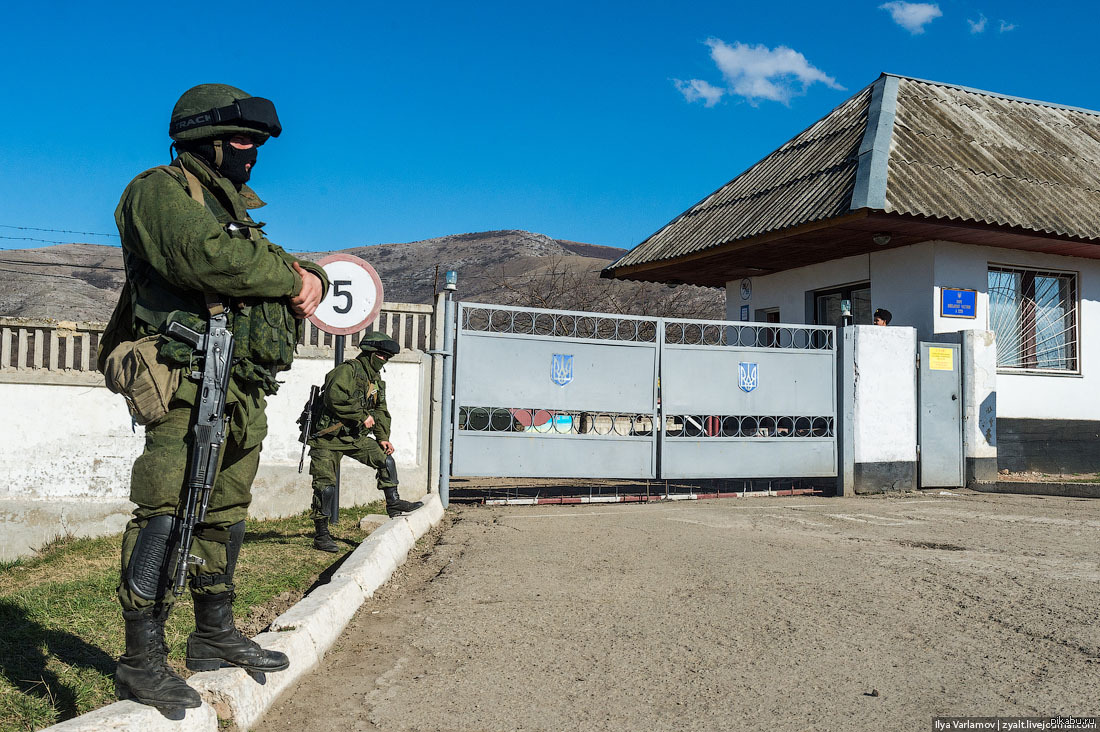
143, 674
322, 539
217, 640
397, 507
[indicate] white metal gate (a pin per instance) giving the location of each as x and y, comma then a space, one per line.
556, 394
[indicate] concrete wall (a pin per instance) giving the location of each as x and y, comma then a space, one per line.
979, 357
877, 409
68, 449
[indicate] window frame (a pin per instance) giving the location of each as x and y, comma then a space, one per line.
1027, 338
845, 292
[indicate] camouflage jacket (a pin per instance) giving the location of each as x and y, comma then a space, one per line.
175, 250
354, 390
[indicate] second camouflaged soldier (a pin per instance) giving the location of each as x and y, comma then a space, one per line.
354, 407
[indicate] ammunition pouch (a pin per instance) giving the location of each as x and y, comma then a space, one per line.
135, 370
233, 538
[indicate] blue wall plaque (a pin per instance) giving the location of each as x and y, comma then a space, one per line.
956, 303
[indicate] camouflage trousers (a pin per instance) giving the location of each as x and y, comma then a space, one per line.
324, 462
158, 487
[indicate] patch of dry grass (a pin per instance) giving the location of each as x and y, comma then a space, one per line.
62, 626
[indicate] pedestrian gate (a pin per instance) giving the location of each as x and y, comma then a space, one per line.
560, 394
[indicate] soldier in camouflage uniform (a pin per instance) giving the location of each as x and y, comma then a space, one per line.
354, 407
188, 240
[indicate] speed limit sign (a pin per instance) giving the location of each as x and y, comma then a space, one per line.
354, 295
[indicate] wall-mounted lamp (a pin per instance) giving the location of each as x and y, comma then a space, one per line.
880, 239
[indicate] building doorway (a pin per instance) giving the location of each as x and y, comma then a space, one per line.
827, 304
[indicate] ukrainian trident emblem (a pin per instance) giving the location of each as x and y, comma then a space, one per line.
747, 376
561, 368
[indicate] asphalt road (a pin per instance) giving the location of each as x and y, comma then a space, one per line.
736, 614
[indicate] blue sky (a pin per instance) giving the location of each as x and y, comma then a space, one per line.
597, 121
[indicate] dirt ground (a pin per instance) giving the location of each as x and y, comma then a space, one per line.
783, 614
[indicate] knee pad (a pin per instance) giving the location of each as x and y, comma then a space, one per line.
149, 571
391, 468
328, 499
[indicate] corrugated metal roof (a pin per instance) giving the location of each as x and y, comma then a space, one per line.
955, 154
964, 155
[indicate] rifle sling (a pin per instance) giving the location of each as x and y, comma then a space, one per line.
214, 304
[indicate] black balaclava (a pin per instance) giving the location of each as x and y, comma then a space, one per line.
233, 160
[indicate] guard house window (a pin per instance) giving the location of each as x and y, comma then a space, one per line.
1034, 314
827, 304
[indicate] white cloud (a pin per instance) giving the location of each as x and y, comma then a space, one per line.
978, 26
697, 89
758, 72
912, 16
1006, 26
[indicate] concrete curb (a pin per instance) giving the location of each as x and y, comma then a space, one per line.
1037, 488
304, 633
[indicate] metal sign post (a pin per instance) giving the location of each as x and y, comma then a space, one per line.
448, 377
352, 303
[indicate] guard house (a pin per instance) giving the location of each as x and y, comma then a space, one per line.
951, 207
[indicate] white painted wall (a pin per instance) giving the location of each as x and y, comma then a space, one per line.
979, 353
907, 281
885, 398
787, 290
901, 279
68, 450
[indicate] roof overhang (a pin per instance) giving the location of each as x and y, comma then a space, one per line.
836, 238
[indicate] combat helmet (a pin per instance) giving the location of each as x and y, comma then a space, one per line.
216, 110
375, 342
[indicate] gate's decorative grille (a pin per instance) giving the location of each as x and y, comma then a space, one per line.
557, 324
554, 421
698, 333
711, 425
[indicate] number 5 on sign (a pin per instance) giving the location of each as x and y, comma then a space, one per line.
354, 296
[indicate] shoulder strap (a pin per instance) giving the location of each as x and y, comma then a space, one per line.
214, 304
193, 186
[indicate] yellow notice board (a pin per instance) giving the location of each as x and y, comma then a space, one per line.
941, 359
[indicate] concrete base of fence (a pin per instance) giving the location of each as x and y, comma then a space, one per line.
304, 633
1038, 488
28, 525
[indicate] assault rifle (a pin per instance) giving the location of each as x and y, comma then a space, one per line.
305, 421
216, 349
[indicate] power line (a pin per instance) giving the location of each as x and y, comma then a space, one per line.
52, 231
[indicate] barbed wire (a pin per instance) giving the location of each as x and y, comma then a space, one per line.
31, 238
52, 231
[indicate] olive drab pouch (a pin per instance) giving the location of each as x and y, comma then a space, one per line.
119, 329
135, 370
272, 333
